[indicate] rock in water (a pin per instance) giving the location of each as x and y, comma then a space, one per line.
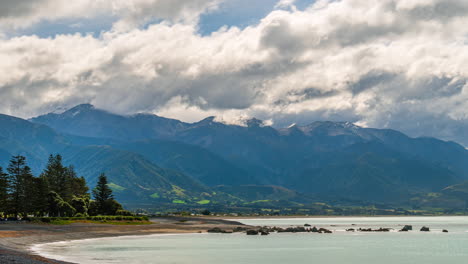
406, 228
252, 232
216, 230
425, 229
445, 231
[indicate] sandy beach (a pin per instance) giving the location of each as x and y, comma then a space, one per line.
16, 239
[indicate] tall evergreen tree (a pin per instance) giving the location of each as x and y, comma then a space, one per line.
3, 192
21, 181
40, 196
102, 195
63, 180
77, 184
56, 176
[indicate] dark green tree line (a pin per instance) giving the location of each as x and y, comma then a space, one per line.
58, 191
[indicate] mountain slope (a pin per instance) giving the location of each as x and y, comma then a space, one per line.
133, 177
331, 159
191, 160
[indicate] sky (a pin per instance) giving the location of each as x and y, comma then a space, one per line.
397, 64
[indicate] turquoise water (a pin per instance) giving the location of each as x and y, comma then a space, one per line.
340, 247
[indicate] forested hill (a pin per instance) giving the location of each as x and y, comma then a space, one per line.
155, 159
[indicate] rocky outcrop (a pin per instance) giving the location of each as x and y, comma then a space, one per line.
298, 229
219, 231
374, 230
239, 229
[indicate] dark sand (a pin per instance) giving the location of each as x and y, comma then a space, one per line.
16, 239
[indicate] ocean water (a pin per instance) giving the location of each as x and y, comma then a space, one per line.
340, 247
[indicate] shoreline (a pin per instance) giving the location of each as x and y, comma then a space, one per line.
18, 239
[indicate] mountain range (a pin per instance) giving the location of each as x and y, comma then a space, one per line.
155, 160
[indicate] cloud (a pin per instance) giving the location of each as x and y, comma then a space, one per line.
16, 14
387, 63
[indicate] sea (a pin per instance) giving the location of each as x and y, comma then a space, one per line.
341, 247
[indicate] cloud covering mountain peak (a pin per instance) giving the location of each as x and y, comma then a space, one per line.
388, 63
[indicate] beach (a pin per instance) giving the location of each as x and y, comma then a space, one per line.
16, 239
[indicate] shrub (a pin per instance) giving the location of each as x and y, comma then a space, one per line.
124, 212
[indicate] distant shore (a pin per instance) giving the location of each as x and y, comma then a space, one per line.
16, 239
316, 216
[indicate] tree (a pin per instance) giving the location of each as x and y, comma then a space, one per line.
4, 186
81, 205
78, 184
21, 184
205, 212
104, 200
59, 207
56, 176
40, 193
63, 180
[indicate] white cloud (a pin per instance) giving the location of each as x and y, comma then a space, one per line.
386, 63
25, 13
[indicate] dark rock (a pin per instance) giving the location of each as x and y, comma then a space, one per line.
295, 230
219, 231
264, 233
350, 230
374, 230
215, 230
239, 229
314, 229
382, 230
406, 228
425, 229
445, 231
323, 230
252, 232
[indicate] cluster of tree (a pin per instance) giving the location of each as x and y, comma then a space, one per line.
58, 191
